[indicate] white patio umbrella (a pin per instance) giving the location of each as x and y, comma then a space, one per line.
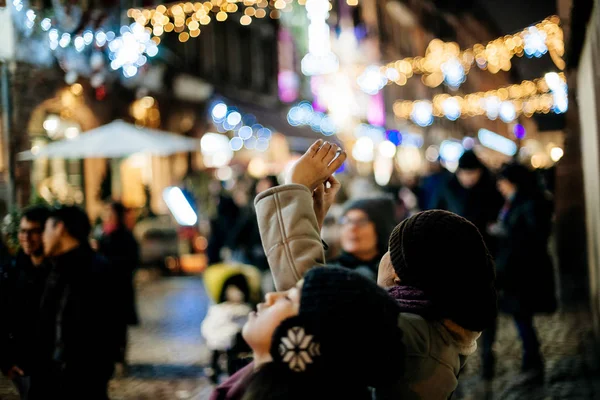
114, 140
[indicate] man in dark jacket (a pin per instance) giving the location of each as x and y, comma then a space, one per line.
76, 328
21, 288
472, 194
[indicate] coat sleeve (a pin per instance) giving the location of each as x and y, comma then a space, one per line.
289, 233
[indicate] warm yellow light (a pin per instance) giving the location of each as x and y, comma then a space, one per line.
556, 154
169, 27
158, 30
221, 16
76, 89
195, 33
188, 7
352, 2
205, 20
147, 101
161, 9
275, 14
156, 40
250, 11
245, 20
231, 8
184, 37
280, 4
193, 26
260, 13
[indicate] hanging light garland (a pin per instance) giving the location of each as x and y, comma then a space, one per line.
445, 62
87, 46
186, 19
542, 95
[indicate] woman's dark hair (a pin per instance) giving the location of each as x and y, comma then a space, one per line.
238, 281
272, 382
120, 210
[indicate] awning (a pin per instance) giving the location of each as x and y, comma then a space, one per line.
114, 140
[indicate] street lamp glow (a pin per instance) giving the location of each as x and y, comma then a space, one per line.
556, 154
179, 206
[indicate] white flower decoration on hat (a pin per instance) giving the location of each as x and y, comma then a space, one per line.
298, 349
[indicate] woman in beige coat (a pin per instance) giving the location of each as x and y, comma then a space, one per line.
444, 279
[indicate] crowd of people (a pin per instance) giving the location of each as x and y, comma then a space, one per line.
394, 314
66, 306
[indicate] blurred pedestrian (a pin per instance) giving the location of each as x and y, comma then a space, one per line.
333, 336
77, 314
220, 228
22, 284
122, 251
366, 225
433, 184
472, 194
523, 264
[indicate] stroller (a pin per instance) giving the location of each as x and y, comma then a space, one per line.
234, 289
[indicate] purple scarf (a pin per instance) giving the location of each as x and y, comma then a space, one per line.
413, 300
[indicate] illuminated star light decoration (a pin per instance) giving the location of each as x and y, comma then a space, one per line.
319, 60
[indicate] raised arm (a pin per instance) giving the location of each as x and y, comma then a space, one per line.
288, 224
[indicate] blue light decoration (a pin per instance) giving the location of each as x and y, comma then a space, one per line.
248, 133
303, 114
179, 206
454, 73
496, 142
75, 47
375, 133
560, 92
451, 109
535, 43
507, 111
394, 136
451, 150
519, 131
371, 81
412, 140
422, 113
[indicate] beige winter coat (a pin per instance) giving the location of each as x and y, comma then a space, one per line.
436, 351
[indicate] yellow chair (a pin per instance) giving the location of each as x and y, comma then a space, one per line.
216, 275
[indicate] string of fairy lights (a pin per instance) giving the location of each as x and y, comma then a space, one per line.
447, 63
542, 95
186, 19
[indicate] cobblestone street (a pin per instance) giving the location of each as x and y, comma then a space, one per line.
168, 357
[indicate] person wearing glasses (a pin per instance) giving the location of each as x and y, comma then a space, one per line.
21, 288
366, 225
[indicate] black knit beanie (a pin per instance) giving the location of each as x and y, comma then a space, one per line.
444, 255
347, 328
380, 211
469, 160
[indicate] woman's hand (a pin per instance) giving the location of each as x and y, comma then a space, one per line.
324, 197
319, 163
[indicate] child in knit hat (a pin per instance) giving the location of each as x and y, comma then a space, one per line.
333, 336
438, 269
